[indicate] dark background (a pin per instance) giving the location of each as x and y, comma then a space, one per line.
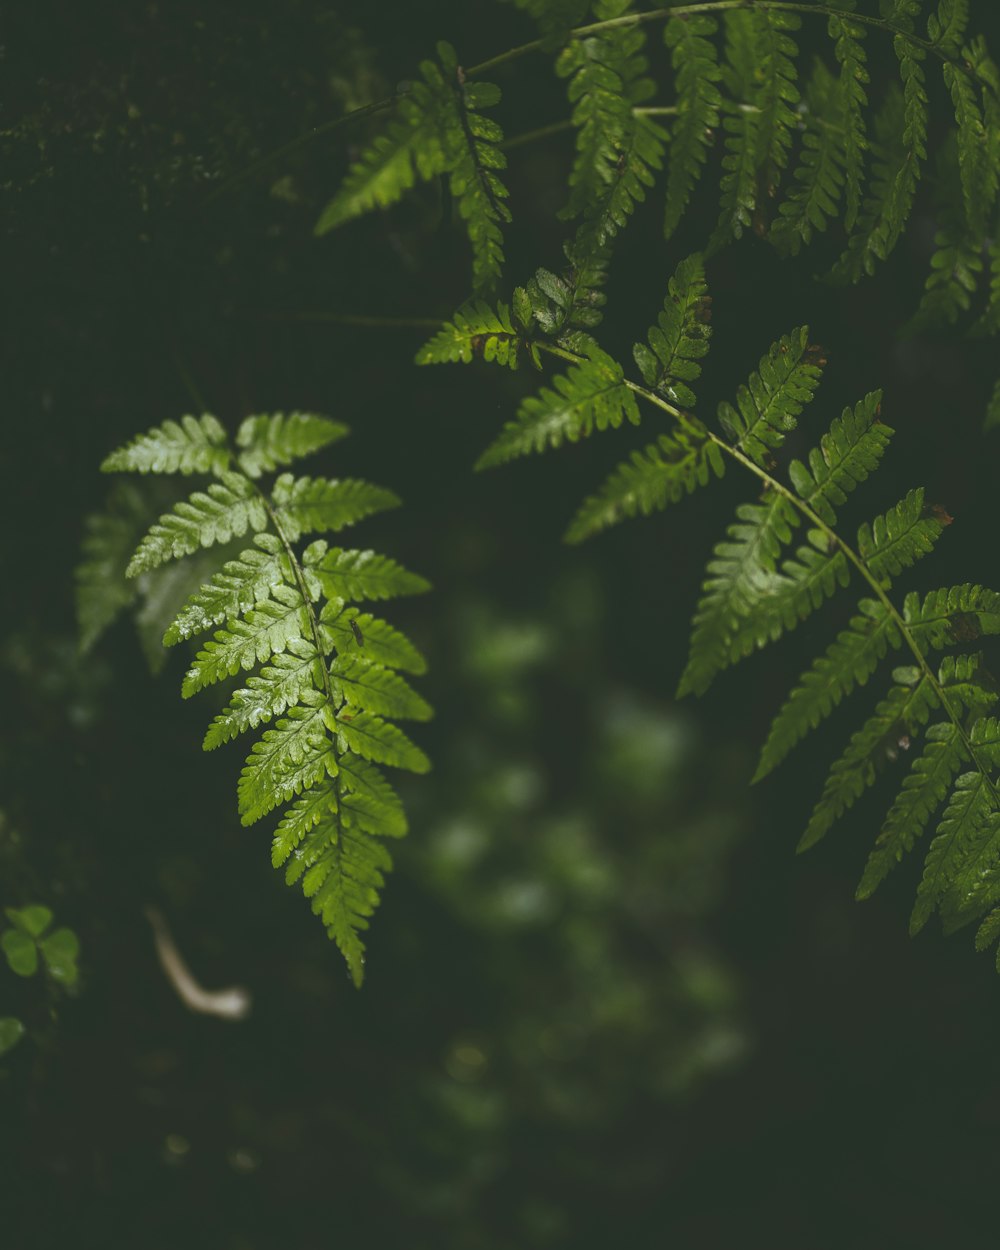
606, 1004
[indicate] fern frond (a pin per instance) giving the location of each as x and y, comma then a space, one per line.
924, 790
282, 685
899, 537
851, 102
327, 718
989, 322
343, 874
262, 633
976, 162
289, 758
905, 709
378, 740
970, 819
309, 505
847, 454
591, 395
695, 63
193, 445
819, 176
238, 586
946, 27
680, 339
270, 441
436, 129
566, 307
478, 329
953, 614
774, 396
667, 470
617, 150
741, 124
364, 684
355, 576
741, 574
227, 509
849, 661
370, 637
473, 159
776, 94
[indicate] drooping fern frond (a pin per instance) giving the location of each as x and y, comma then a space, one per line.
760, 585
323, 674
437, 129
618, 150
695, 63
591, 395
680, 338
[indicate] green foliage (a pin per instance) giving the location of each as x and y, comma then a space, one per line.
28, 942
760, 585
695, 62
324, 680
11, 1032
437, 128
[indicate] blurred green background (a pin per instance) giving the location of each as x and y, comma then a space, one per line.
606, 1005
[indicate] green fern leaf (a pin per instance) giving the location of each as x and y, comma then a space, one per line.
970, 819
305, 814
696, 73
847, 454
565, 307
194, 445
277, 439
226, 510
308, 505
291, 673
951, 615
976, 163
591, 395
851, 103
667, 470
923, 791
896, 171
849, 661
819, 177
776, 95
437, 129
242, 583
353, 575
681, 336
989, 322
617, 150
478, 329
907, 707
899, 537
264, 632
288, 759
372, 800
767, 407
741, 573
364, 684
380, 741
378, 641
344, 872
741, 123
946, 27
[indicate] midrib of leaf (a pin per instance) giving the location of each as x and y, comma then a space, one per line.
320, 651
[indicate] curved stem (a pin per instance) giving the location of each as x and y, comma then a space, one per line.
711, 6
853, 558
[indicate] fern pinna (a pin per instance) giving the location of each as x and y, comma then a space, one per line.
284, 613
781, 558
